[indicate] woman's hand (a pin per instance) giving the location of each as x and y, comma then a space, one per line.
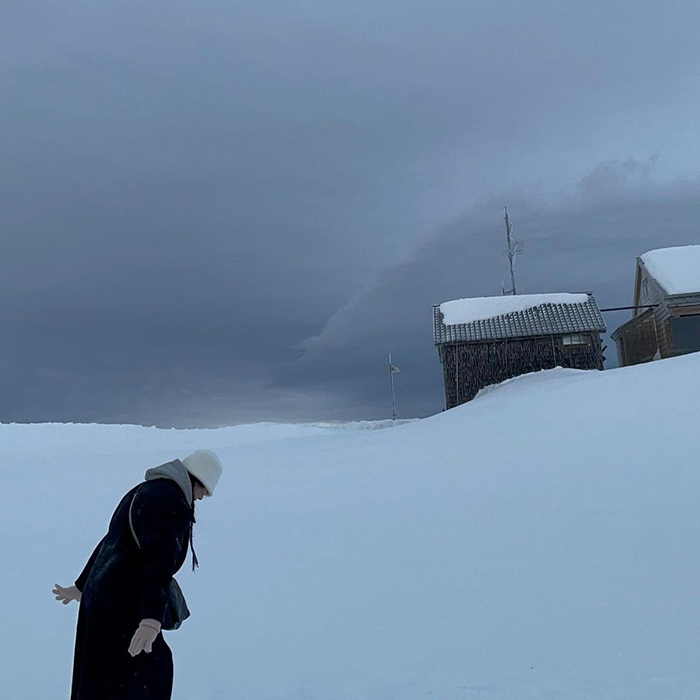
144, 637
65, 595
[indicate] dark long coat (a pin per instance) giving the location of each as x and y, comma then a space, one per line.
122, 585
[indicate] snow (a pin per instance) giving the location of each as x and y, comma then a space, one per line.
676, 269
480, 308
542, 541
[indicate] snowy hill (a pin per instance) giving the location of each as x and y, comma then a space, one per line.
542, 541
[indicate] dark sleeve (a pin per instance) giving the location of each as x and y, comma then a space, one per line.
162, 524
82, 579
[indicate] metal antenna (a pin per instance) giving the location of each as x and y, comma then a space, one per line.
514, 249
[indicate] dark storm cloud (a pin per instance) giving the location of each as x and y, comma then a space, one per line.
189, 191
587, 242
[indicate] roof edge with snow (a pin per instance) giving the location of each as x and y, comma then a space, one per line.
676, 269
517, 316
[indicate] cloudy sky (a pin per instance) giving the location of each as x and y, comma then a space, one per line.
216, 212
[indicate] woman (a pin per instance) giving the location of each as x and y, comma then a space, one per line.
125, 588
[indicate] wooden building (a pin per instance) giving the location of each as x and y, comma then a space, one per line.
666, 317
486, 341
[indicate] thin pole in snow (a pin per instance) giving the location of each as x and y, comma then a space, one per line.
392, 369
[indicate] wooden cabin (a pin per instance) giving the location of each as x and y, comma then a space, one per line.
488, 340
666, 317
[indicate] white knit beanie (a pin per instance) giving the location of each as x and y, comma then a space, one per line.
205, 466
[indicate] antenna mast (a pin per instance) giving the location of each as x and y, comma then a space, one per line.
514, 249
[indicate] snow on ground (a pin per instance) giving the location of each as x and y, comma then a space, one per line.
541, 542
480, 308
677, 269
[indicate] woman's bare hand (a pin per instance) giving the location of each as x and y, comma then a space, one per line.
65, 595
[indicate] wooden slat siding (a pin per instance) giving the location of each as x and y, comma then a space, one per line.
636, 340
667, 306
469, 367
663, 329
692, 309
649, 291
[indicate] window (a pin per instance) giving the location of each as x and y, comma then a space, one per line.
686, 334
576, 339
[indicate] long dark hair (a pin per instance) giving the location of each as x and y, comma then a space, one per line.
195, 562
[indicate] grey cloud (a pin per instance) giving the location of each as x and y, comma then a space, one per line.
586, 242
613, 177
188, 193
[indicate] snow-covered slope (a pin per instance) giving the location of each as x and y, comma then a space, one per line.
542, 541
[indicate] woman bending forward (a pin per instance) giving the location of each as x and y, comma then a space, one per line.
125, 587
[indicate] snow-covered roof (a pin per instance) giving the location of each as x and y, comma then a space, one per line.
677, 269
481, 308
518, 316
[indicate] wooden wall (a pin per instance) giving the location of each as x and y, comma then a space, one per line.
638, 340
469, 367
